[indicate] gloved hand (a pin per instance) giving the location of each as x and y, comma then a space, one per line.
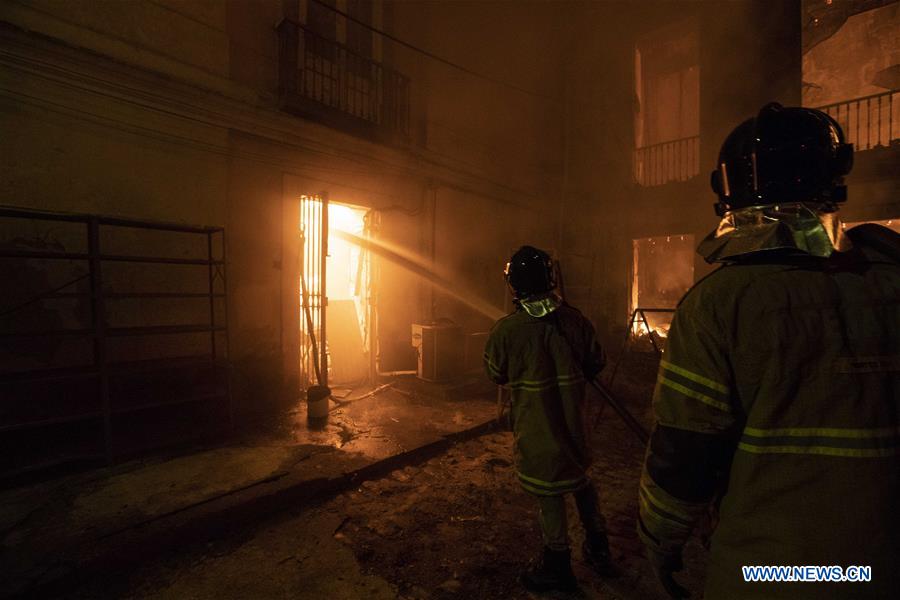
664, 564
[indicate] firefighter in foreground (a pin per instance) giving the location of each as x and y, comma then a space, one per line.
777, 397
544, 353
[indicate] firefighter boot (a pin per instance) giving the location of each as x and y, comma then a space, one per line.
595, 552
552, 572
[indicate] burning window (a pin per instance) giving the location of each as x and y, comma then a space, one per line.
667, 121
662, 271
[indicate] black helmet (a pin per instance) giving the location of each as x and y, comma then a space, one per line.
783, 155
530, 272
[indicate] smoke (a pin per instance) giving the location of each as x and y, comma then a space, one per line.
419, 267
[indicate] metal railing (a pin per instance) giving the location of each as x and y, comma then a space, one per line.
83, 375
868, 122
676, 160
638, 320
355, 89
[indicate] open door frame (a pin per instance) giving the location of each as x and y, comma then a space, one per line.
313, 300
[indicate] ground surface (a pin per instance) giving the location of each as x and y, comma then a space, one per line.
457, 526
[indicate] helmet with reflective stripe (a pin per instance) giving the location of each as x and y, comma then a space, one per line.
530, 272
783, 155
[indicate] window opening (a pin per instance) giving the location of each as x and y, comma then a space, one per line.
667, 121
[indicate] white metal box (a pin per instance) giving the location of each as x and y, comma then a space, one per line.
440, 349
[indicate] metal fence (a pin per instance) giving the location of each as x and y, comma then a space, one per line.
329, 74
868, 122
676, 160
110, 345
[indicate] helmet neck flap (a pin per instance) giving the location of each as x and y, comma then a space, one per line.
540, 305
795, 227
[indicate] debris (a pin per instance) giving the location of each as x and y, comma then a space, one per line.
342, 524
400, 476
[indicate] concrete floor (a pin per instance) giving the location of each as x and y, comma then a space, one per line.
299, 512
51, 528
457, 526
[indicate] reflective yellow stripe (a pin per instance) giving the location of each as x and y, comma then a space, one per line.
713, 385
821, 450
531, 385
665, 506
575, 376
695, 395
539, 491
550, 488
549, 386
658, 521
551, 484
493, 367
822, 432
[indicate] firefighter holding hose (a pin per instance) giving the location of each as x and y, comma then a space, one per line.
777, 399
545, 352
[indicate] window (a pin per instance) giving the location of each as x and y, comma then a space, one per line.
662, 271
324, 23
667, 117
321, 22
359, 38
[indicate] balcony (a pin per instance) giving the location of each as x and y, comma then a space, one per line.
323, 80
869, 122
675, 160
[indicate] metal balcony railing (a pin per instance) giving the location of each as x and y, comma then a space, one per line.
676, 160
325, 80
868, 122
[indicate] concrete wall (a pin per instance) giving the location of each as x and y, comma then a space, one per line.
167, 111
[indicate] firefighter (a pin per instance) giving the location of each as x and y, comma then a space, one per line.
777, 397
543, 353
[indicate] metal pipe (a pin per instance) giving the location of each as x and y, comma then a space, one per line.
323, 297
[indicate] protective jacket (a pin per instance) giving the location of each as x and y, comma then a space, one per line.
778, 396
544, 361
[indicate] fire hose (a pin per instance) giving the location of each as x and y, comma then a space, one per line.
632, 423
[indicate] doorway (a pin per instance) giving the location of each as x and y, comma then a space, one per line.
662, 271
335, 327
